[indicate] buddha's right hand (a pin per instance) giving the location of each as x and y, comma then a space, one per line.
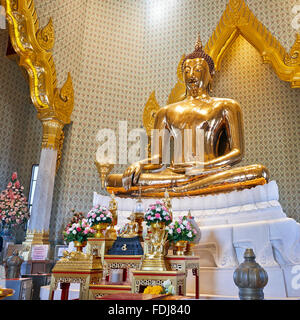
131, 175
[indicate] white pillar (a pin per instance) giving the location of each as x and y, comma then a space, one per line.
42, 200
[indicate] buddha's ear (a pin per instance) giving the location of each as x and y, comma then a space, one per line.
209, 85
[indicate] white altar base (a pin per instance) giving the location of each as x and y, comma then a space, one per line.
230, 223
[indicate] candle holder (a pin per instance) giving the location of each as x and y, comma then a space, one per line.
104, 168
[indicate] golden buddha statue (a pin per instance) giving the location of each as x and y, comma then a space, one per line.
221, 122
130, 229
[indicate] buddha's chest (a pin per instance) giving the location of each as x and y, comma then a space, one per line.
194, 117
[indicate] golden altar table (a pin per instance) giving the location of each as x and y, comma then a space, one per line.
75, 268
180, 264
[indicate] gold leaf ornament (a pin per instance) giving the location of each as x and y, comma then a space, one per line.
45, 36
150, 111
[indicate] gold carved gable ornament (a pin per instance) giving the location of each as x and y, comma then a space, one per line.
236, 20
33, 45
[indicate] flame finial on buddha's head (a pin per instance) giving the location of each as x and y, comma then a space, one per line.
200, 53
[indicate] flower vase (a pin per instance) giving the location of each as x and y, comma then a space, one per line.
180, 247
99, 228
79, 245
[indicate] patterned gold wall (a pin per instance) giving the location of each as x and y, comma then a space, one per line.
118, 52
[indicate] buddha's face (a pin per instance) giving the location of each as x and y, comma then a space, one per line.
196, 74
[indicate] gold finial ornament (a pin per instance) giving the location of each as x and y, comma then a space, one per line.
198, 45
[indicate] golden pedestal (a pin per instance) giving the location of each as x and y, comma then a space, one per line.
154, 263
34, 238
76, 267
142, 279
99, 247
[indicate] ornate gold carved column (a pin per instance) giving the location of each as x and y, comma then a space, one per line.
54, 106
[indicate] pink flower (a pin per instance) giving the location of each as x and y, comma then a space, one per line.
158, 202
178, 230
157, 215
14, 176
78, 229
17, 184
85, 231
94, 215
195, 232
171, 226
188, 226
152, 208
167, 218
101, 215
149, 217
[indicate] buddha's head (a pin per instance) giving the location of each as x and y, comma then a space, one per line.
198, 69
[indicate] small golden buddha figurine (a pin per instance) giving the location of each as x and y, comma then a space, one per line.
221, 122
131, 229
155, 249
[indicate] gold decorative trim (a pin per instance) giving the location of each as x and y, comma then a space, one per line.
36, 237
52, 134
237, 20
150, 111
33, 45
